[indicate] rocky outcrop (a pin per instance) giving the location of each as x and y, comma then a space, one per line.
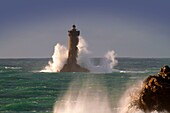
73, 68
155, 94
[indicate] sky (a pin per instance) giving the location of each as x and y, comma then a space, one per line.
132, 28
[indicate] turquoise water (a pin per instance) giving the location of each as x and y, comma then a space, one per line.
24, 89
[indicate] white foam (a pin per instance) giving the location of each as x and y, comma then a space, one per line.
122, 71
58, 59
14, 68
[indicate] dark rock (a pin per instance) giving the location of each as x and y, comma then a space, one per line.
73, 68
155, 94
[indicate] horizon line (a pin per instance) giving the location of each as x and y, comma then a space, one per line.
91, 57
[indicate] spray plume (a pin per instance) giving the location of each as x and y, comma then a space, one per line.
58, 59
84, 99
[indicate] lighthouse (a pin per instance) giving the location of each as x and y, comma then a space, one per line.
71, 64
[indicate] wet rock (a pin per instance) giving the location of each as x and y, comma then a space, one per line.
73, 68
155, 94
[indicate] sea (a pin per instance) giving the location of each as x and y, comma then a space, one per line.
24, 88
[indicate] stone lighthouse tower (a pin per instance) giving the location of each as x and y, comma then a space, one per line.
71, 64
73, 41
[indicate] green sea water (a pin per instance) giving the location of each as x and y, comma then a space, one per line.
24, 89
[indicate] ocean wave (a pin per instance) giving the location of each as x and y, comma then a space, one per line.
122, 71
13, 68
130, 71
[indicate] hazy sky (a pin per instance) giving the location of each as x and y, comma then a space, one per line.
132, 28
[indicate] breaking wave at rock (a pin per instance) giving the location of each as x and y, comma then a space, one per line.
127, 102
61, 53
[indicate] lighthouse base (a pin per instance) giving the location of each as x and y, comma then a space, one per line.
73, 68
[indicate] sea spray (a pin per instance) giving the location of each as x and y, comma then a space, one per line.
130, 95
82, 46
105, 64
92, 97
58, 59
111, 61
85, 98
83, 53
108, 61
61, 53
